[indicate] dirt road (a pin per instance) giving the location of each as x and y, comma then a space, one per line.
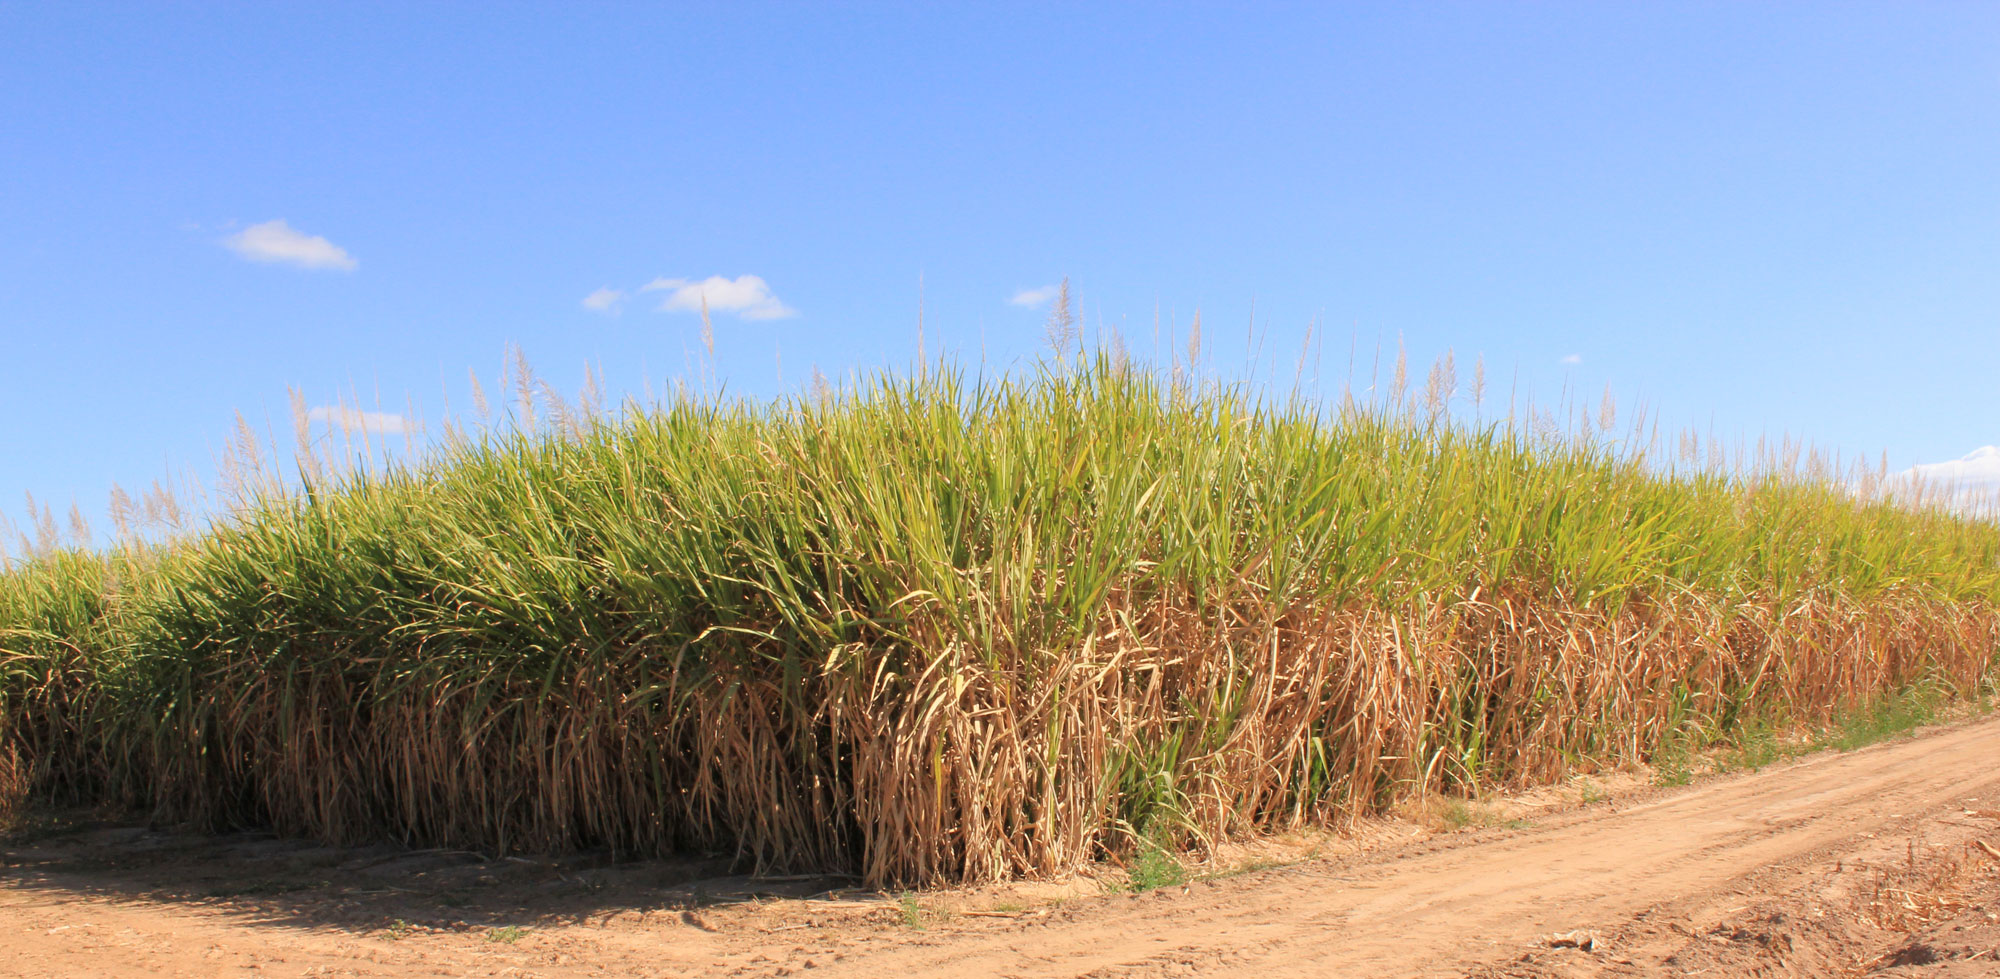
1863, 863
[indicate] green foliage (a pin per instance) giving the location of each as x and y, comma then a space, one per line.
1760, 741
1589, 793
1456, 815
912, 912
1154, 864
1674, 759
1886, 717
945, 626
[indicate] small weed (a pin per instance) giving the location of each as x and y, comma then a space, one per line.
1673, 762
915, 915
1456, 816
507, 935
1154, 866
1589, 793
398, 929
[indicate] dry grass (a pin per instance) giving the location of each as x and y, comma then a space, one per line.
932, 629
1919, 892
13, 786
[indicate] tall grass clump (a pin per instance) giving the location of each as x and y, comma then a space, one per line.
937, 627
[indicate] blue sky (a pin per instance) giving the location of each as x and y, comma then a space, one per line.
1760, 218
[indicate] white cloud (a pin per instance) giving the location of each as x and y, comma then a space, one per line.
1033, 297
355, 420
276, 241
746, 295
1969, 485
606, 300
1572, 360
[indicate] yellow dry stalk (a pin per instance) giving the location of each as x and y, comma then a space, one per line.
945, 628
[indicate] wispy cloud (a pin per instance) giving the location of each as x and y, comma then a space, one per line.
1970, 485
1039, 296
355, 420
748, 296
606, 300
278, 242
1572, 360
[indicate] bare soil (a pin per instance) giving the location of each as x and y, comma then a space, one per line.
1880, 862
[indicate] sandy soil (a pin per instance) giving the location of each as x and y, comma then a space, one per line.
1880, 862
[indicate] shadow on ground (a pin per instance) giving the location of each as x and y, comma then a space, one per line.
260, 878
